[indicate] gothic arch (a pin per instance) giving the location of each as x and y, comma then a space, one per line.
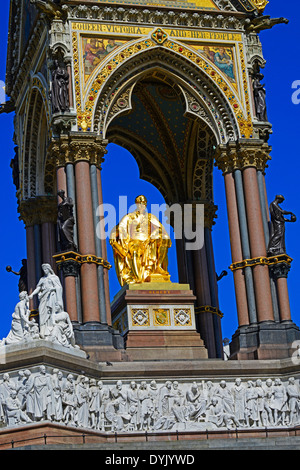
201, 80
180, 172
36, 179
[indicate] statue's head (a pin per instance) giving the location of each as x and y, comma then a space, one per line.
141, 203
280, 198
141, 200
23, 295
47, 268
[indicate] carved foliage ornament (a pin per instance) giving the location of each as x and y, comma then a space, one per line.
237, 157
77, 148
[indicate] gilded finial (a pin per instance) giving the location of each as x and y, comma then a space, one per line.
260, 4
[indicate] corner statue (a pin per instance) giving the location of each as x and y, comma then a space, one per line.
277, 241
140, 244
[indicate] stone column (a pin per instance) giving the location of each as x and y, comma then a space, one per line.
204, 285
39, 216
86, 242
31, 274
236, 250
104, 250
264, 335
257, 246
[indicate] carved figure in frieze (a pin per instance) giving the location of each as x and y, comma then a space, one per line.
69, 401
238, 393
42, 395
94, 404
293, 400
260, 403
218, 416
28, 385
104, 398
225, 395
57, 391
279, 403
146, 418
82, 399
268, 400
251, 396
133, 404
13, 410
165, 395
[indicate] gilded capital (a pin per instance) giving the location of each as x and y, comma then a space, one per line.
240, 155
73, 148
38, 210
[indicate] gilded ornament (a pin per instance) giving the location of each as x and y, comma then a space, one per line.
260, 4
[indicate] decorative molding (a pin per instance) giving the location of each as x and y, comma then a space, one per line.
208, 309
86, 111
277, 264
73, 148
66, 260
38, 210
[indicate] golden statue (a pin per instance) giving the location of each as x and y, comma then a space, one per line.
140, 244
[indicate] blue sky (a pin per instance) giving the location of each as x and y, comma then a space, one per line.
120, 173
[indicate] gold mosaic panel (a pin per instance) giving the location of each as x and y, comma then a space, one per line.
182, 317
140, 317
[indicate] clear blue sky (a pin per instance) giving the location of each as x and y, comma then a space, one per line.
280, 47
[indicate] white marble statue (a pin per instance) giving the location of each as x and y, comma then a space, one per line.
20, 327
50, 295
54, 323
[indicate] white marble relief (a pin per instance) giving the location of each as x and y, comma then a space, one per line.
40, 394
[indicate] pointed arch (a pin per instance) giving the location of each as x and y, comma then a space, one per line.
36, 139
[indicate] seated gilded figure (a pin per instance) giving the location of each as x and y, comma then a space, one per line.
140, 244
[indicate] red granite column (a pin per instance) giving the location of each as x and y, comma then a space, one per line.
257, 246
70, 296
236, 250
283, 299
104, 252
61, 179
31, 274
89, 283
202, 292
48, 243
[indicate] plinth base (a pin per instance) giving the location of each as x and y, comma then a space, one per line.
265, 340
157, 321
101, 342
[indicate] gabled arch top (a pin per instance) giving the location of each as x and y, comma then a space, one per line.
230, 111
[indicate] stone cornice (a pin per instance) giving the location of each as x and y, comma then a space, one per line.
238, 156
156, 15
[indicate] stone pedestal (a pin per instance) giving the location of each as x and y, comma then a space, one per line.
157, 321
265, 340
